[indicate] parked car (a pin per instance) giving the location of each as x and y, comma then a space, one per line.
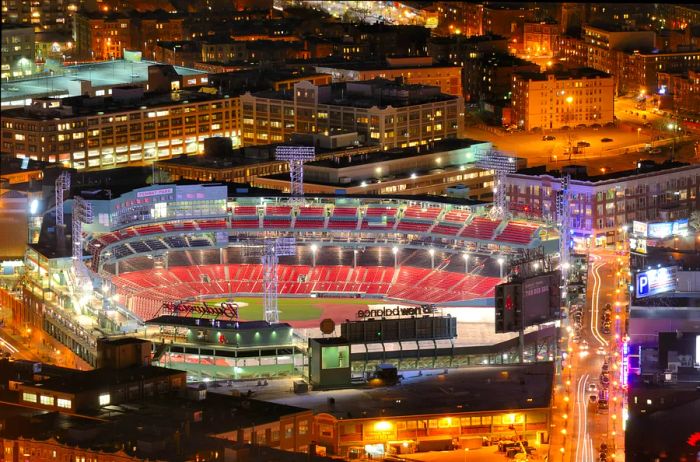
548, 138
583, 144
606, 140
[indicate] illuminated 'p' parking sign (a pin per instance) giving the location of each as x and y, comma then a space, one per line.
656, 281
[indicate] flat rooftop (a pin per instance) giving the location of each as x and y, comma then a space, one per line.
475, 389
219, 324
105, 74
575, 73
369, 66
541, 170
88, 106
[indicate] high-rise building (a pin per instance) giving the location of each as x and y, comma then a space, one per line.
44, 15
556, 99
17, 51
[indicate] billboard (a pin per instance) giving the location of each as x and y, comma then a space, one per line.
384, 330
655, 281
640, 228
638, 245
528, 302
668, 229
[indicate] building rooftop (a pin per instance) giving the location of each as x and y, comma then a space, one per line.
561, 74
102, 379
492, 388
647, 168
100, 74
81, 106
368, 93
370, 66
220, 324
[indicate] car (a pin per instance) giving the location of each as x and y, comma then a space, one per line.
592, 399
549, 138
583, 144
606, 140
592, 387
584, 345
604, 380
606, 367
655, 151
577, 338
600, 351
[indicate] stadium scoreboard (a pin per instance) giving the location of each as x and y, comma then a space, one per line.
528, 302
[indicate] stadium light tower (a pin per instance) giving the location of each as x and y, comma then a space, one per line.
501, 261
466, 262
296, 156
501, 166
62, 186
431, 251
272, 250
395, 251
564, 222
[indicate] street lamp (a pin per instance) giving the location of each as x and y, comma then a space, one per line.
500, 264
466, 262
314, 248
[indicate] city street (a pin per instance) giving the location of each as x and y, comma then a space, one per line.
580, 427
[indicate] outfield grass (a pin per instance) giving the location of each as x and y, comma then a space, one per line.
291, 309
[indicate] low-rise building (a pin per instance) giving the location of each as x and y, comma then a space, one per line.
412, 171
57, 46
412, 70
488, 76
602, 205
683, 91
178, 53
541, 38
129, 127
557, 98
380, 111
17, 51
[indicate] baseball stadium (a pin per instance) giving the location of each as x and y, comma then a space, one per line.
286, 264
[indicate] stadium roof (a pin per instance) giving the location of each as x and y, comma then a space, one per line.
103, 74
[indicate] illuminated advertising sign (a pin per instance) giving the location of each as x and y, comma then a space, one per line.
225, 309
638, 245
639, 228
655, 281
668, 229
156, 192
398, 311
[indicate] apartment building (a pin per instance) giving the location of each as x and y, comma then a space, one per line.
602, 205
413, 70
459, 18
557, 98
128, 128
103, 36
541, 38
640, 71
380, 111
488, 76
44, 15
680, 92
17, 51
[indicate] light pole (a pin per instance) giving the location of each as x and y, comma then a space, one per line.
314, 248
466, 262
639, 130
500, 261
395, 251
431, 251
569, 101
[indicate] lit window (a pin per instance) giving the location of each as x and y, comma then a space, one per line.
46, 400
104, 399
29, 397
64, 403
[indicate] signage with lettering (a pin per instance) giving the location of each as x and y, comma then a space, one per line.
397, 312
668, 229
639, 228
655, 281
155, 192
225, 309
638, 245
